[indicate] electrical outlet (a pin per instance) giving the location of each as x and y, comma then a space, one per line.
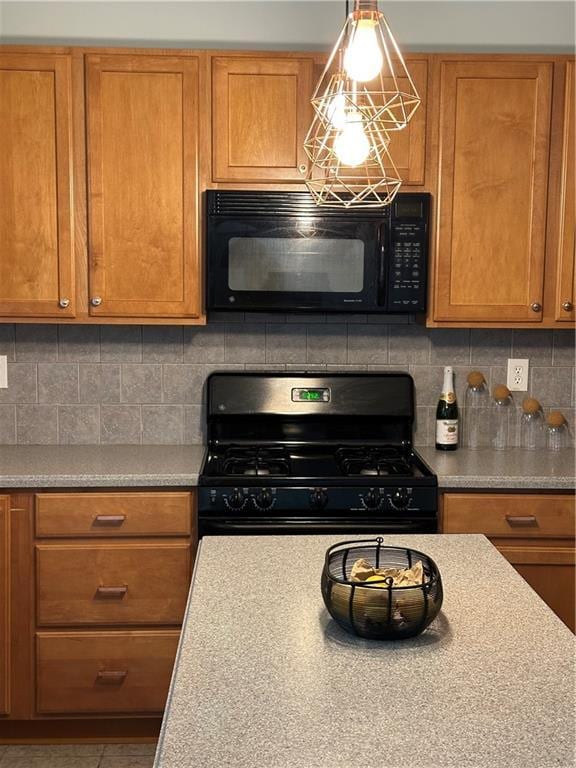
517, 379
3, 372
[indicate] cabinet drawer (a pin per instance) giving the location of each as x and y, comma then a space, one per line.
113, 514
143, 583
104, 671
508, 514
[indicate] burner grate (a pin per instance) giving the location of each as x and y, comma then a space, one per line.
260, 462
373, 462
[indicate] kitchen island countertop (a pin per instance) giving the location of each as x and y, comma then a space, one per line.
264, 677
84, 466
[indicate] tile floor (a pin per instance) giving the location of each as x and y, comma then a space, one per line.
77, 756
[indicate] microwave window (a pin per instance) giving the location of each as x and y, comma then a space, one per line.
299, 265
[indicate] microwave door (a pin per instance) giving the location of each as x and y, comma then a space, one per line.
294, 264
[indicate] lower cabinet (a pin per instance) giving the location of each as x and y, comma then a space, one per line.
95, 592
534, 532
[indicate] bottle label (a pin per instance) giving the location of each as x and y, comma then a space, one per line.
448, 397
447, 431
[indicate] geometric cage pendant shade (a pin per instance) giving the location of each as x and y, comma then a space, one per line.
364, 93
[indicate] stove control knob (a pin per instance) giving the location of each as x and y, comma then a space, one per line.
264, 499
400, 498
236, 499
372, 499
318, 498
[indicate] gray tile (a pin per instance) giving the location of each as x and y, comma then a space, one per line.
490, 345
54, 750
245, 343
37, 424
135, 761
327, 343
422, 434
162, 424
387, 368
141, 383
120, 424
225, 317
78, 424
129, 749
162, 344
307, 367
449, 346
408, 344
552, 387
285, 343
7, 424
428, 382
310, 318
36, 343
266, 367
344, 317
204, 344
121, 343
367, 344
79, 343
347, 368
194, 420
22, 384
99, 383
7, 342
533, 343
264, 317
564, 341
390, 319
498, 375
183, 383
58, 383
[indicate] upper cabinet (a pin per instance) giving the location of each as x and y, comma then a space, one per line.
494, 131
261, 113
142, 150
36, 249
565, 296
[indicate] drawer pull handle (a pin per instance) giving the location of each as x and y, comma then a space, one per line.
111, 677
112, 520
111, 593
521, 520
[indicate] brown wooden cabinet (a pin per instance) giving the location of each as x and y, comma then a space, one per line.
494, 132
534, 532
565, 294
36, 212
4, 605
261, 113
142, 150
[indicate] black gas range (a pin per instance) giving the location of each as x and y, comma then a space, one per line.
308, 453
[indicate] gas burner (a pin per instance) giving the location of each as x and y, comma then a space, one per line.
260, 462
373, 462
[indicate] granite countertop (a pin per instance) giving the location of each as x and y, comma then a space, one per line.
66, 466
264, 677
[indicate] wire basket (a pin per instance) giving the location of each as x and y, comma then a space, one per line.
379, 610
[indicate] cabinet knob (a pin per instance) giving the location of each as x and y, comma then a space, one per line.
64, 303
303, 168
567, 306
96, 301
535, 307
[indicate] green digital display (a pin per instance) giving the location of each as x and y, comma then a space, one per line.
311, 394
305, 395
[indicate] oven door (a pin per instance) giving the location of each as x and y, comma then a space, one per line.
295, 263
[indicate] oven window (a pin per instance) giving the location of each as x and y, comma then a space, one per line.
300, 265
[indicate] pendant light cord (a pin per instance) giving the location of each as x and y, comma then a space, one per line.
347, 8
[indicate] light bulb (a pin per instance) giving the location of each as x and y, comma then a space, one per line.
351, 145
363, 57
336, 111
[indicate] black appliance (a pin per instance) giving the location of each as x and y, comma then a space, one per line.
280, 251
308, 453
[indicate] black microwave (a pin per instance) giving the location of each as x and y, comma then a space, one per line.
279, 251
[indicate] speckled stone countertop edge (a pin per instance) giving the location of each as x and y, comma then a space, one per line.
97, 481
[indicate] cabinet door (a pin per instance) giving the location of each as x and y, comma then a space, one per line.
261, 112
494, 147
566, 287
36, 254
4, 605
143, 191
408, 147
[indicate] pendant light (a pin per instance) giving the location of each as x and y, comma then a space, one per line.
364, 92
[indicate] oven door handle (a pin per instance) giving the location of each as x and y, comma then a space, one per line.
279, 526
382, 266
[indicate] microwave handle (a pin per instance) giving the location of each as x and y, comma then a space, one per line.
382, 266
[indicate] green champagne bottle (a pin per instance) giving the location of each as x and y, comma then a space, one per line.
447, 415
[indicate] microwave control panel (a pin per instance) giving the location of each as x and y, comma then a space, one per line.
407, 266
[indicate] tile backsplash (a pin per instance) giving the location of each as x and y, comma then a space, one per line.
132, 384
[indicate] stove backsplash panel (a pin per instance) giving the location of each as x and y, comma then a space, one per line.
132, 384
